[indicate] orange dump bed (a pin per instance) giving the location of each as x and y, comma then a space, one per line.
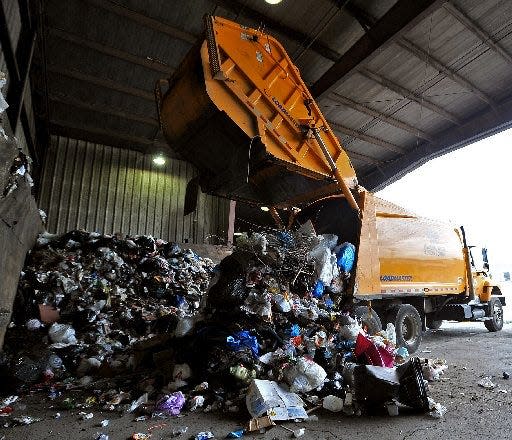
239, 111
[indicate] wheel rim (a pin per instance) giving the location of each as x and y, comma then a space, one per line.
497, 313
408, 332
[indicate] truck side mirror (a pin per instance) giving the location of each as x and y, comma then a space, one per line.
485, 259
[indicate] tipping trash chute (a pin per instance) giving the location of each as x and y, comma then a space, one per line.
239, 111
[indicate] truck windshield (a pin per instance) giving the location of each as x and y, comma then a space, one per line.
477, 258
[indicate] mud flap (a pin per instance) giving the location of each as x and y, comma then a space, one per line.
191, 195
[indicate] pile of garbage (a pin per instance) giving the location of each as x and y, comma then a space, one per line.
88, 302
148, 328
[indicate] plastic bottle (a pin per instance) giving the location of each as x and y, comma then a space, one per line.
348, 407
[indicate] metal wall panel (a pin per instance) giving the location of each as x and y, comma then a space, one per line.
12, 15
107, 189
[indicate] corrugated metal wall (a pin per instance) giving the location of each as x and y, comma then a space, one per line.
106, 189
12, 15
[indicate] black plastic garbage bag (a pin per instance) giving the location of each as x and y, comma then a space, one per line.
230, 290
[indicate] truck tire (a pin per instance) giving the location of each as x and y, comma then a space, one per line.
433, 324
407, 322
496, 312
372, 322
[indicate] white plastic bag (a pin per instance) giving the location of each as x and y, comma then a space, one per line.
332, 403
305, 376
350, 331
62, 334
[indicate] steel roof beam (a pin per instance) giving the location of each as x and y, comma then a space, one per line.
144, 20
77, 103
402, 16
298, 36
157, 66
366, 21
362, 157
411, 95
367, 138
363, 18
380, 116
477, 30
107, 137
436, 64
102, 82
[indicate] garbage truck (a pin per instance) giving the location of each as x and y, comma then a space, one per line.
239, 111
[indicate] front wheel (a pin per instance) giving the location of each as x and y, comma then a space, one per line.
495, 324
407, 322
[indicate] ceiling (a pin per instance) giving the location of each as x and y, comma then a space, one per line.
400, 82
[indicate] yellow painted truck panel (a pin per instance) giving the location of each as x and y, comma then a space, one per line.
415, 255
419, 255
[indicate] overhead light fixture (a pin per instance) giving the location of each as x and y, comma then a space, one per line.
273, 2
159, 160
265, 208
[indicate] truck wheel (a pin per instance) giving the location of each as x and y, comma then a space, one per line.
371, 322
407, 322
433, 324
496, 312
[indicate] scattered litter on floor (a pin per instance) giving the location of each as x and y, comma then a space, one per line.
437, 411
486, 383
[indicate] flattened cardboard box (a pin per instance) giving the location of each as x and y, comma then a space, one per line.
266, 397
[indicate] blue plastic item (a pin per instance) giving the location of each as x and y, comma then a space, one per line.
346, 256
294, 330
329, 303
242, 340
239, 433
402, 352
318, 290
346, 345
179, 300
286, 239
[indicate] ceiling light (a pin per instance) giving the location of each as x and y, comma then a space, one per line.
273, 2
264, 208
159, 160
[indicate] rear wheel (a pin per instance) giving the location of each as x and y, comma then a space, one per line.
433, 324
495, 324
369, 320
407, 322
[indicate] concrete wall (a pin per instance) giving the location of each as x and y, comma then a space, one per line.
20, 222
19, 225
